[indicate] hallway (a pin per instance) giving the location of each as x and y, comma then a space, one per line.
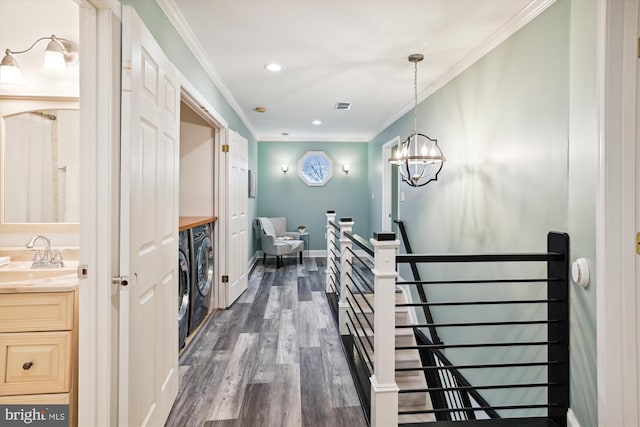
273, 359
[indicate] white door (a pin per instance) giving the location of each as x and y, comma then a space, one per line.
637, 305
148, 380
237, 229
387, 184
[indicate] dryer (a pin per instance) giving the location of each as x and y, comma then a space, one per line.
202, 273
184, 285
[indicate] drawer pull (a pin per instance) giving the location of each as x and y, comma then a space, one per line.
27, 366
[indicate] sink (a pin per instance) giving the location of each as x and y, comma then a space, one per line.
33, 274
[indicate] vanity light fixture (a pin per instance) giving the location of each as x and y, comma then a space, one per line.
285, 168
419, 159
60, 53
345, 168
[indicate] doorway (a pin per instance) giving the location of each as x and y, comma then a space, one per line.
390, 187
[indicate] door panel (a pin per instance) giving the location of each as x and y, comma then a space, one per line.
238, 220
148, 380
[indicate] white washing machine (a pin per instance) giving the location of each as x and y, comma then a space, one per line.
184, 285
202, 273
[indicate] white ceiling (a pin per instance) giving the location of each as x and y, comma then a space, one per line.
338, 50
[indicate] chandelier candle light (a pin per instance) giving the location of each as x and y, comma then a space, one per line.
419, 159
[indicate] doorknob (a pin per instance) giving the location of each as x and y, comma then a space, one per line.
120, 280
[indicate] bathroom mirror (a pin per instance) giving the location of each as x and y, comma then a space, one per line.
40, 148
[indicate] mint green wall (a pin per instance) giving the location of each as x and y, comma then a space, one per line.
518, 130
583, 164
288, 196
178, 52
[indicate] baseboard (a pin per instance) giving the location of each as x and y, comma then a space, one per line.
572, 421
316, 253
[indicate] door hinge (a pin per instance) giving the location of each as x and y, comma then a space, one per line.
83, 271
225, 148
638, 243
225, 279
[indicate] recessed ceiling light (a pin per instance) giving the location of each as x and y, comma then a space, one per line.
273, 67
316, 122
261, 109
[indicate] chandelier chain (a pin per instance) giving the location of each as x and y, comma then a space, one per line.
415, 97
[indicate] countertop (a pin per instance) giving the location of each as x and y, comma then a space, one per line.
18, 276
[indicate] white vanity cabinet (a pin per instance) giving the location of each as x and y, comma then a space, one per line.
39, 345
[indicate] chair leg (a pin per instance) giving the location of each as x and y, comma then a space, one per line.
300, 257
264, 258
278, 262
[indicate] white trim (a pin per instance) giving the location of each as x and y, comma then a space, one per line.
99, 109
616, 312
263, 138
172, 12
199, 104
386, 222
572, 421
526, 15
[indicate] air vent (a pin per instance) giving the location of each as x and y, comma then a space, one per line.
343, 106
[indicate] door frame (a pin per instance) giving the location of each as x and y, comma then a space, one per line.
386, 222
616, 292
198, 103
100, 34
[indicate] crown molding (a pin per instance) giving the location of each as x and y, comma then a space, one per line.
171, 10
526, 15
293, 138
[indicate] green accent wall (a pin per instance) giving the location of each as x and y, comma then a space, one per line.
289, 196
518, 129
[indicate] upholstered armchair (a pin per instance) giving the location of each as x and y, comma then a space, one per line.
277, 241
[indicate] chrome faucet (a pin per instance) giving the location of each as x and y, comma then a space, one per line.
45, 260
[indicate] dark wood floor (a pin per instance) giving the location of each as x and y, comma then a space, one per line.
273, 359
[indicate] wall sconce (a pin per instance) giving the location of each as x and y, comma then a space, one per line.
60, 53
285, 168
345, 168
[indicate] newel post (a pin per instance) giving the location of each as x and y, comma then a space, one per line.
384, 390
346, 226
330, 274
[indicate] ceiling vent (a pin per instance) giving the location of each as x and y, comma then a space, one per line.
343, 106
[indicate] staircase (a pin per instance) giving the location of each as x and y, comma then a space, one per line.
406, 380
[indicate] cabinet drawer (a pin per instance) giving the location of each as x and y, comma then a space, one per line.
52, 311
36, 362
36, 399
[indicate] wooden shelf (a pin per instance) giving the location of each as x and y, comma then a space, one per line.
187, 222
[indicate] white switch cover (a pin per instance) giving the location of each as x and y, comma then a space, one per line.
402, 196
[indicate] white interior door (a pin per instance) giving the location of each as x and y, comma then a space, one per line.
387, 189
637, 173
148, 380
237, 230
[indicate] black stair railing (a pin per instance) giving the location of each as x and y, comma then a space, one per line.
453, 397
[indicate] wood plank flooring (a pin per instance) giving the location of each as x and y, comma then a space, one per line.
273, 359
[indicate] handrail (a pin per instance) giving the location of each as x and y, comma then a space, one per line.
416, 277
360, 242
452, 258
